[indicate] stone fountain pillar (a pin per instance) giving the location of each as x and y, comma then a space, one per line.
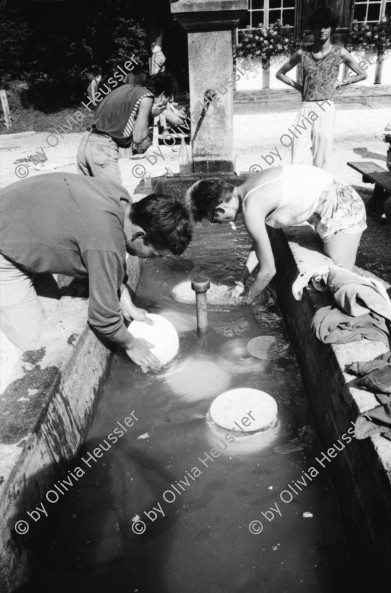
210, 25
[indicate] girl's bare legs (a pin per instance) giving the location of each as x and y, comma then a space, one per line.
342, 248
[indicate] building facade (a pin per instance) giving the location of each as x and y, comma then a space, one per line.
295, 12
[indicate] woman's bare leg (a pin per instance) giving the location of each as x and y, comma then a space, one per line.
342, 248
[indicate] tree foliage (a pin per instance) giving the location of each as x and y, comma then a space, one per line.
48, 51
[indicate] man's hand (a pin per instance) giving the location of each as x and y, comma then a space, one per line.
257, 290
340, 85
174, 116
141, 315
158, 107
130, 311
181, 111
255, 294
140, 353
252, 294
236, 292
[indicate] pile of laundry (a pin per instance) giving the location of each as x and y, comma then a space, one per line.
375, 376
361, 307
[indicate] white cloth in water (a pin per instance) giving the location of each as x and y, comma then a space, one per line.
318, 277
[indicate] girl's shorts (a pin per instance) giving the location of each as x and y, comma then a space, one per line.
339, 209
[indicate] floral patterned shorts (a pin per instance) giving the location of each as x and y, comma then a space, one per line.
339, 208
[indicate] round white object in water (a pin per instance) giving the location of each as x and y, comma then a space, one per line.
162, 334
198, 379
244, 410
218, 294
267, 347
235, 357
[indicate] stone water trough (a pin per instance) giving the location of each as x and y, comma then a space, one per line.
47, 406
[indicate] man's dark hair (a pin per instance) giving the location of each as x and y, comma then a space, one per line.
323, 17
138, 75
135, 78
160, 83
205, 195
166, 222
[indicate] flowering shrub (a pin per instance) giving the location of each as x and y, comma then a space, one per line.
370, 36
265, 42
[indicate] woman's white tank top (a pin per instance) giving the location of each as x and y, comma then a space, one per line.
301, 188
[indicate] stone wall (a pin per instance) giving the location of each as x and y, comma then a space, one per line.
45, 413
362, 472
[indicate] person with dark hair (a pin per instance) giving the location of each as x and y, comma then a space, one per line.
320, 65
280, 197
62, 223
323, 17
170, 117
163, 222
122, 119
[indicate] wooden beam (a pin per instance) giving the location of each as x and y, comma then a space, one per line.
374, 173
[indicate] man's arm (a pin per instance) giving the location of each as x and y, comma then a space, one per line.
289, 65
105, 275
141, 126
248, 268
129, 309
254, 219
250, 265
349, 61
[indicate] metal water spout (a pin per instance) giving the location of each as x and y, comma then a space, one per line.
201, 285
209, 96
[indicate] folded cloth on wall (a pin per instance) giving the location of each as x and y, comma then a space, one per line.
386, 356
357, 294
318, 277
333, 326
365, 368
377, 380
375, 376
375, 421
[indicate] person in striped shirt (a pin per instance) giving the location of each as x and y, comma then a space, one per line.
121, 120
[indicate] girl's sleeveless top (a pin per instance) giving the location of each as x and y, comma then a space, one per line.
319, 76
301, 188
